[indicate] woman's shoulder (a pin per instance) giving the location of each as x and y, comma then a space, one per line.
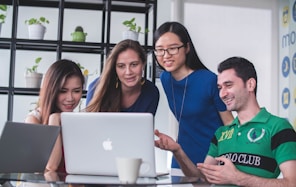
149, 86
165, 75
35, 114
203, 78
93, 83
204, 72
204, 75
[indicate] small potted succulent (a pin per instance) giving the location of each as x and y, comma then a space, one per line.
78, 35
133, 30
36, 27
33, 78
3, 10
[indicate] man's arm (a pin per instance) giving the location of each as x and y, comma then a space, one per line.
228, 174
188, 167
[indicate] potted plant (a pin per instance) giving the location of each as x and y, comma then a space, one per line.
133, 30
3, 10
78, 35
33, 78
36, 27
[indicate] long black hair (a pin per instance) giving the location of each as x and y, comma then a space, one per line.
192, 59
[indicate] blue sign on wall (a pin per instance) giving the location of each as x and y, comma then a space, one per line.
286, 98
286, 66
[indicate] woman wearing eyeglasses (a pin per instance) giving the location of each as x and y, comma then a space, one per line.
191, 90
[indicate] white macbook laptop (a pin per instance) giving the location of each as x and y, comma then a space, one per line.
92, 141
26, 147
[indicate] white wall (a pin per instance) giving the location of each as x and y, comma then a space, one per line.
225, 28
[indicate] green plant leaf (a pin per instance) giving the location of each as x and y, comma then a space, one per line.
35, 66
3, 7
132, 26
43, 20
80, 66
38, 59
32, 21
3, 16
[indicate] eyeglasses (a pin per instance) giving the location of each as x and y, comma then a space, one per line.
171, 51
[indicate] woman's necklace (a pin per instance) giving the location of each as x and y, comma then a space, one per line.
183, 99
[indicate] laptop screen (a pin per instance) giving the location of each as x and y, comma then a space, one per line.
92, 141
26, 147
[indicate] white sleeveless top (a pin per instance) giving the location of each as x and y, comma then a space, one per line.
35, 113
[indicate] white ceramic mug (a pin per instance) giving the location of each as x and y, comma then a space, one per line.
128, 169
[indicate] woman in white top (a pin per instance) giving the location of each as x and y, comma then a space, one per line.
61, 92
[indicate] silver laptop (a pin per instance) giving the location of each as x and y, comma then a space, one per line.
92, 141
26, 147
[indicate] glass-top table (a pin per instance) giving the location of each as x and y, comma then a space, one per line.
62, 179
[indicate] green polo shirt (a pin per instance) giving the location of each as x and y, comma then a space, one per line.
257, 147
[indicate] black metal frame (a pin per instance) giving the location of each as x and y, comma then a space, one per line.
60, 46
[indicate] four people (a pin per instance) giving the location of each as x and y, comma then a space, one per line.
121, 86
254, 148
250, 150
61, 91
191, 91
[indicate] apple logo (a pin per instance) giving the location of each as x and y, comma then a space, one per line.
107, 145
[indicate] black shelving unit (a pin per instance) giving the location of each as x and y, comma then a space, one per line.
59, 46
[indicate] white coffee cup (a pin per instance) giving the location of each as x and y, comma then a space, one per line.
128, 169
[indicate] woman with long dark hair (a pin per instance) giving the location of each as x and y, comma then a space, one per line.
61, 91
191, 90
